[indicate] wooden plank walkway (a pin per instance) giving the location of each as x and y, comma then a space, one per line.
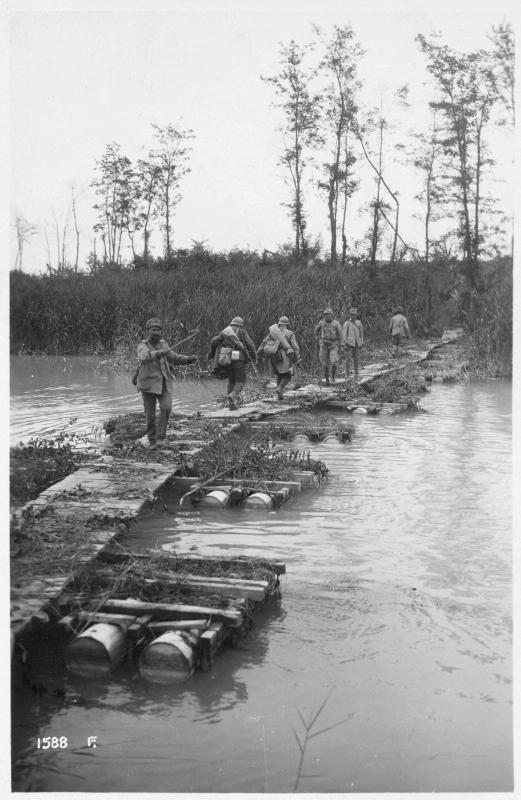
114, 489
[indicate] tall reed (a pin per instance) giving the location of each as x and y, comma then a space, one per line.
85, 312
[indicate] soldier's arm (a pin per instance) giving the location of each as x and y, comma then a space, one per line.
145, 354
180, 358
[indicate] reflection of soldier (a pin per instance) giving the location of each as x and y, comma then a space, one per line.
399, 330
330, 340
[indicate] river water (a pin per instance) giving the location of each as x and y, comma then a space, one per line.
395, 617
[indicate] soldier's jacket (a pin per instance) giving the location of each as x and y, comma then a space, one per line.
329, 331
152, 370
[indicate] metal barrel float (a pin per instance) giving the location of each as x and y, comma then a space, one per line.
170, 658
259, 500
98, 651
332, 439
217, 498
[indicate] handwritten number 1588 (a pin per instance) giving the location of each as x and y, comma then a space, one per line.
51, 742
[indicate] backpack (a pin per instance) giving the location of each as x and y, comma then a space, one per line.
224, 359
271, 348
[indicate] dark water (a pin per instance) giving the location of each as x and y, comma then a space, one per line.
395, 610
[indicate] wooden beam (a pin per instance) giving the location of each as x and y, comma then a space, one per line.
179, 625
162, 611
186, 560
124, 620
231, 587
210, 642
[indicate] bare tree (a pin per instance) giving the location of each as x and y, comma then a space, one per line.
113, 185
379, 206
339, 66
24, 231
168, 165
502, 38
301, 108
468, 90
74, 198
147, 177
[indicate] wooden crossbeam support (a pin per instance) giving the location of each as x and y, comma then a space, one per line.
163, 611
179, 625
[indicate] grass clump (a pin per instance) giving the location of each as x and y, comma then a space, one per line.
398, 386
126, 427
242, 455
40, 463
43, 544
314, 426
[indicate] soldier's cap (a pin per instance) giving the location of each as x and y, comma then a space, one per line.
283, 321
153, 322
353, 311
328, 310
238, 322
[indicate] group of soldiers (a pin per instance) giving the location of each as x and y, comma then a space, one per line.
232, 349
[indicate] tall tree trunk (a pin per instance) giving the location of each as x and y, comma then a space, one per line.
332, 221
77, 232
478, 187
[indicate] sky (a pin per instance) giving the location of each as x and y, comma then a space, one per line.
84, 74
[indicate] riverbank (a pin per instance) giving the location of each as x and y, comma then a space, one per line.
105, 313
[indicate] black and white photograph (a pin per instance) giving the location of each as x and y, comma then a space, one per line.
260, 308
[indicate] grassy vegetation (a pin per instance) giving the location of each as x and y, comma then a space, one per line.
105, 312
395, 387
41, 462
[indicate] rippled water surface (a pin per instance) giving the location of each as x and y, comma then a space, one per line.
396, 607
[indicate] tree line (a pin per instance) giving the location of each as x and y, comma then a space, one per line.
326, 132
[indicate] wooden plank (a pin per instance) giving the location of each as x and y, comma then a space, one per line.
112, 619
210, 641
181, 560
225, 587
253, 590
245, 582
306, 477
179, 625
235, 563
161, 611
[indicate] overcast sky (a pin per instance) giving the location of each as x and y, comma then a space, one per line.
83, 74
